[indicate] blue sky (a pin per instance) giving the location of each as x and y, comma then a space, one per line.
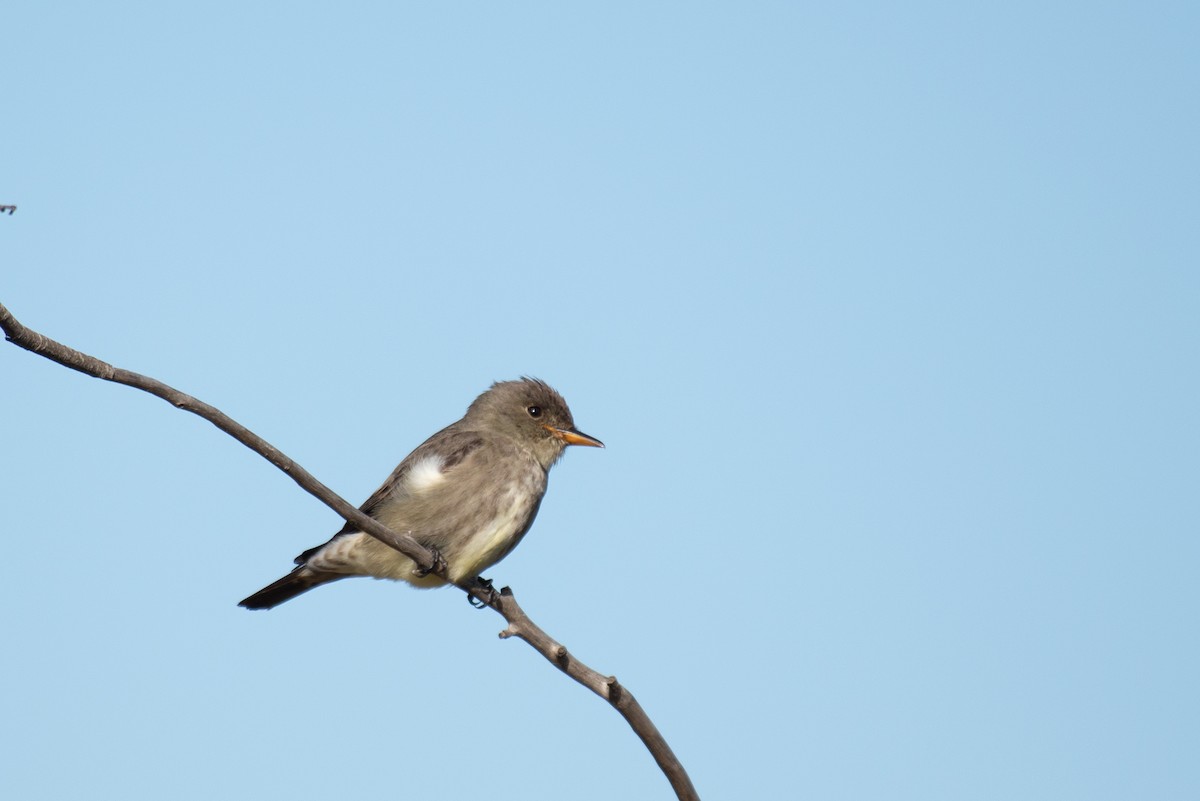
887, 315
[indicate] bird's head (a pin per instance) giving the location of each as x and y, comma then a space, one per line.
534, 414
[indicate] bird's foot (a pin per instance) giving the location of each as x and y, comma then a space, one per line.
439, 565
482, 594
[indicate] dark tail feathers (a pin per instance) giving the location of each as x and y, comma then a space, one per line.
298, 581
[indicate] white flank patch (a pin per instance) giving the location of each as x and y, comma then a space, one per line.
425, 474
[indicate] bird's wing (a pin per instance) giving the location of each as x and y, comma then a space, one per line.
450, 447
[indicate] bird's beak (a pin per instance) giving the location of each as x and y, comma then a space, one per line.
573, 437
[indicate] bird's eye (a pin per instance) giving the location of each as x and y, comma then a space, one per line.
534, 411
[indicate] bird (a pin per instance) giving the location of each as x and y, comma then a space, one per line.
470, 492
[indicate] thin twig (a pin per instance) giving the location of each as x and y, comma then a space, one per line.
519, 624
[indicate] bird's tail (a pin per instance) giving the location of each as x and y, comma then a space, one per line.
302, 579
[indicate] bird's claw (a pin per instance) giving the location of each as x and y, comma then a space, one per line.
483, 595
439, 565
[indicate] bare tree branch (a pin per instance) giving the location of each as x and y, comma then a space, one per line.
519, 624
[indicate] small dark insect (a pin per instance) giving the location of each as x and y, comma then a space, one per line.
9, 209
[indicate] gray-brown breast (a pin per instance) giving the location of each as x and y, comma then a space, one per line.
489, 478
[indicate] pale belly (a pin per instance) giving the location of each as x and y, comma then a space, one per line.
467, 553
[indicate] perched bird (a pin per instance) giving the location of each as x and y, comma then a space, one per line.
470, 492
